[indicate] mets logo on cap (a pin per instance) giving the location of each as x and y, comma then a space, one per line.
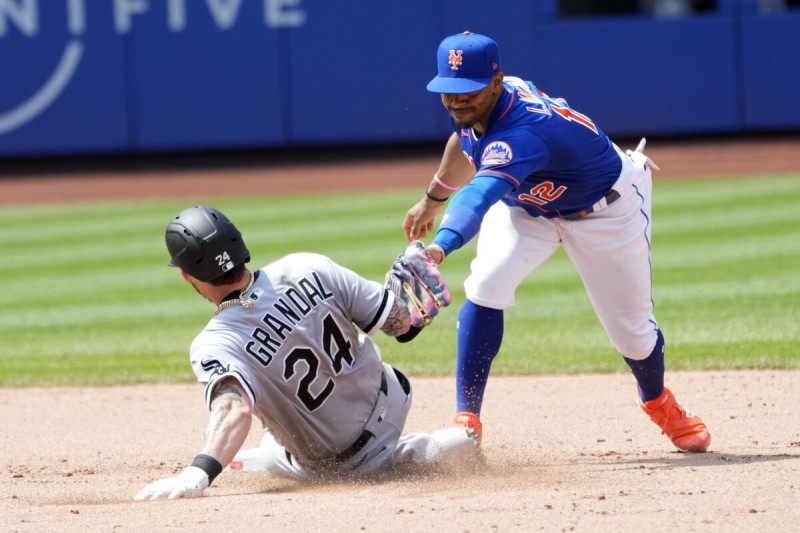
455, 59
497, 153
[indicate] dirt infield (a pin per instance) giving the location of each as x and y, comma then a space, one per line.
562, 453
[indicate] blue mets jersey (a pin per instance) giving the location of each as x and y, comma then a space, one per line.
557, 159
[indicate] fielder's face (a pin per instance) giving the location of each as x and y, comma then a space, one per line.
469, 109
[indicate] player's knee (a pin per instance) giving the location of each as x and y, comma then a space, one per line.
489, 295
636, 346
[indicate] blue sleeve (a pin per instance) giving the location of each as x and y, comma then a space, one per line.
462, 219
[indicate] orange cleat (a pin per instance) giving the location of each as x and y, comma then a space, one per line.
686, 431
470, 421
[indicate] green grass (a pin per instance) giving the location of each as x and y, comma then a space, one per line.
86, 297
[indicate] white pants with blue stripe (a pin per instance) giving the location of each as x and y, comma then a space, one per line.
610, 248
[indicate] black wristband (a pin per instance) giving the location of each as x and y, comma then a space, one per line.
409, 335
209, 465
434, 198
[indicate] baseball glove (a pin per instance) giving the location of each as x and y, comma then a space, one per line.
415, 280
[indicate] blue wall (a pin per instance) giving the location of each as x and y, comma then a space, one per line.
100, 76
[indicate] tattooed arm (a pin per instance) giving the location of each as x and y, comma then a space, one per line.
229, 421
398, 321
227, 428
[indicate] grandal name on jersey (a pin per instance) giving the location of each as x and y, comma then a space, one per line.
289, 310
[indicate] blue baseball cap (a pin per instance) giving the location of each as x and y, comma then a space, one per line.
467, 63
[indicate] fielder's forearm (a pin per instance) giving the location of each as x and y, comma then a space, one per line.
464, 215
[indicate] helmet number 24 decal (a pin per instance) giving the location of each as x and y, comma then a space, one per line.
224, 261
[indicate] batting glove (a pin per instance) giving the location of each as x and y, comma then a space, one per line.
191, 482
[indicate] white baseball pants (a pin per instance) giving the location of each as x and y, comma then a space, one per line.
610, 248
389, 447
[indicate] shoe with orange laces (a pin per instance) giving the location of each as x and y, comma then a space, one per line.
686, 431
470, 421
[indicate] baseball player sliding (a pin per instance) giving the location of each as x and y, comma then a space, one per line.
282, 346
533, 174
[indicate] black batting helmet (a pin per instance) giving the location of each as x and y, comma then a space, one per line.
204, 243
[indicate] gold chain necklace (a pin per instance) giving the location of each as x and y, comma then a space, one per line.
245, 303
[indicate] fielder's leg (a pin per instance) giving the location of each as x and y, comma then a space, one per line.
510, 245
611, 249
649, 372
480, 334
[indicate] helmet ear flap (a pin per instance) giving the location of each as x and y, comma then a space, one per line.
205, 243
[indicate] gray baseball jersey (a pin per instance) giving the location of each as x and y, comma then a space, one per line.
312, 378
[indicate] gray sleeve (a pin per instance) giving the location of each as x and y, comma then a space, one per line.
210, 369
367, 302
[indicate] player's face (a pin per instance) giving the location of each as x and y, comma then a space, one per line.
189, 279
469, 109
196, 288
